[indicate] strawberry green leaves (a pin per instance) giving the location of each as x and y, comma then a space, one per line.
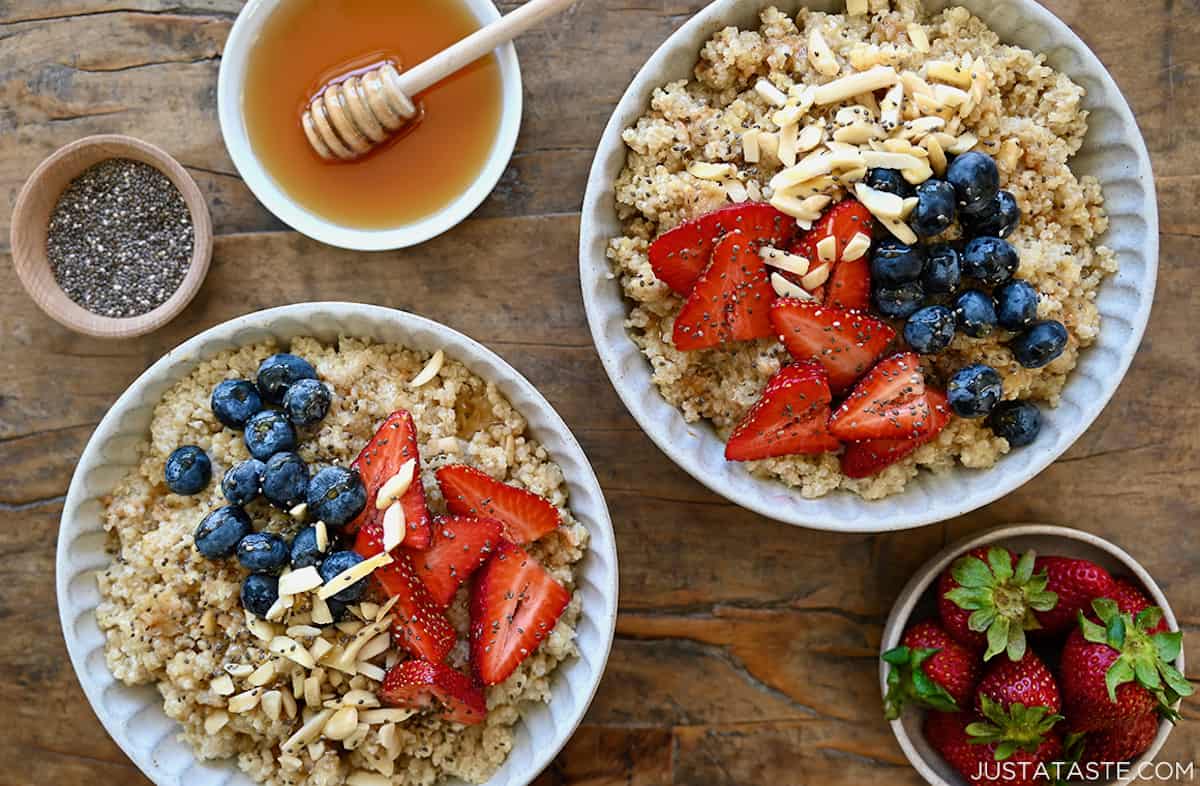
1016, 728
1002, 598
1144, 657
909, 684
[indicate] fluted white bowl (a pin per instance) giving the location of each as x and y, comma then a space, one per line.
1113, 151
134, 716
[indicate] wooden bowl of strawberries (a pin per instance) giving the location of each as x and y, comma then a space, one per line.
1028, 653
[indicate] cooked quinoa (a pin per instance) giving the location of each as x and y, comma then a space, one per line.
1030, 119
173, 619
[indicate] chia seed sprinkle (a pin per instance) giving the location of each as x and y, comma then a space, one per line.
120, 239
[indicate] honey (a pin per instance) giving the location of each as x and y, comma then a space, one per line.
305, 43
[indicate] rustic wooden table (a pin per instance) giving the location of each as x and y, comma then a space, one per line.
746, 650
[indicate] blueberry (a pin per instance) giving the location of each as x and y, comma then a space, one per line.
943, 271
930, 330
974, 391
893, 263
998, 218
304, 549
187, 470
306, 402
259, 593
242, 482
1016, 304
1017, 421
337, 562
1040, 344
268, 433
975, 179
975, 313
235, 401
899, 302
336, 496
991, 260
278, 372
889, 180
262, 551
220, 532
285, 480
935, 209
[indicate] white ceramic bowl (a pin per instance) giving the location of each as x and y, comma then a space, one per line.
1113, 151
918, 601
134, 716
233, 128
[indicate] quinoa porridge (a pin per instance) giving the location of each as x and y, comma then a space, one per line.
233, 680
950, 85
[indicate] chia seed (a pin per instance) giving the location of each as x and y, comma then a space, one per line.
120, 239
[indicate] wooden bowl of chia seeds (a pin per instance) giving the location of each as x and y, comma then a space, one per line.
111, 237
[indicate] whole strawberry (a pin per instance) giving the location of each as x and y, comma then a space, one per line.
1027, 682
1077, 582
1123, 742
1018, 702
988, 599
985, 764
1120, 669
931, 670
1131, 600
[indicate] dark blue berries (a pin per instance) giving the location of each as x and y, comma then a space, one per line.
269, 432
1019, 422
930, 330
890, 181
235, 401
998, 218
279, 372
259, 593
304, 549
1016, 304
943, 270
336, 495
340, 561
893, 263
187, 470
243, 482
975, 313
935, 210
220, 532
262, 552
306, 402
1041, 343
899, 302
285, 480
975, 179
990, 260
974, 391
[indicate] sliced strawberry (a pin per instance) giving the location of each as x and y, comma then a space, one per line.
420, 685
888, 403
514, 606
850, 285
393, 444
842, 221
791, 417
524, 515
730, 301
679, 256
845, 343
461, 544
863, 459
421, 626
803, 247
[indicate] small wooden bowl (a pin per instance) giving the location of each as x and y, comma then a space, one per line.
31, 221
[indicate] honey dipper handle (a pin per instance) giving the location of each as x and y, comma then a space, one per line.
478, 44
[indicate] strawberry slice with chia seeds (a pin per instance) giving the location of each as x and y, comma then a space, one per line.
888, 403
730, 301
845, 343
461, 545
421, 625
421, 685
791, 417
863, 459
393, 444
470, 492
679, 256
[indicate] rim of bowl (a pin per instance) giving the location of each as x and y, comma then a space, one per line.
756, 496
230, 81
32, 265
927, 574
190, 351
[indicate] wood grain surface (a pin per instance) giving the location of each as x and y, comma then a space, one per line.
746, 650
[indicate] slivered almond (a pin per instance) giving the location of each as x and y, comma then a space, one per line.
292, 650
393, 526
352, 574
964, 143
215, 721
305, 579
350, 654
239, 670
341, 724
370, 670
948, 95
918, 174
937, 156
272, 704
791, 114
792, 263
858, 133
303, 631
706, 170
914, 85
394, 487
910, 204
319, 648
368, 609
359, 699
827, 249
901, 230
322, 536
820, 55
889, 107
796, 208
923, 125
846, 87
279, 608
307, 733
785, 288
809, 138
750, 149
816, 277
736, 191
320, 612
951, 73
262, 675
289, 704
222, 686
261, 629
431, 370
918, 36
386, 607
299, 512
375, 647
298, 684
858, 246
788, 136
316, 749
851, 175
885, 160
312, 690
245, 701
389, 739
357, 738
385, 715
770, 93
880, 203
818, 186
290, 763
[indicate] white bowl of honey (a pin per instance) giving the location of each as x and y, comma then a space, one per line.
419, 184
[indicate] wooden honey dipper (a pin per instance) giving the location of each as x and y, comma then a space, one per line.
353, 114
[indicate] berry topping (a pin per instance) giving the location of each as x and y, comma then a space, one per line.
845, 343
1040, 344
1017, 421
729, 301
187, 470
975, 312
235, 401
974, 391
990, 260
791, 417
278, 372
470, 492
930, 330
935, 210
888, 403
